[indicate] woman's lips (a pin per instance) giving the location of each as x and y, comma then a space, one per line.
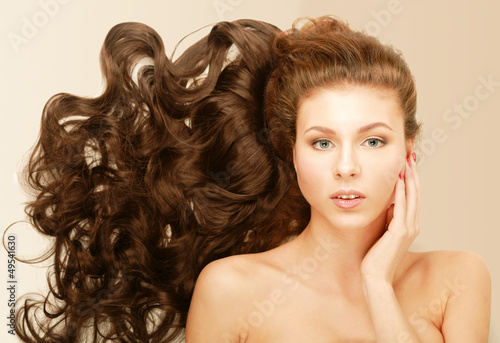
347, 203
345, 191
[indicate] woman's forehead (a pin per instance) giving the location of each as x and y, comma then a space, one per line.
350, 106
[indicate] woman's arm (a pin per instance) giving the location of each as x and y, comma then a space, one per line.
467, 313
391, 325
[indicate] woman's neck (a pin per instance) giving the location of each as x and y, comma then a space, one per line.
335, 254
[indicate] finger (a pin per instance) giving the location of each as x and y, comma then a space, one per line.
400, 202
390, 214
417, 184
411, 195
418, 190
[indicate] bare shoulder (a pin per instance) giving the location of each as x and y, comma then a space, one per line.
237, 270
463, 268
227, 279
461, 281
449, 263
225, 288
435, 268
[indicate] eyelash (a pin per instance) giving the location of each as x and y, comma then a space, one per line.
368, 139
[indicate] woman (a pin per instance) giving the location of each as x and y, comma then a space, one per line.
171, 169
347, 107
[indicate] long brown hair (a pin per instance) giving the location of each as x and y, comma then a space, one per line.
184, 163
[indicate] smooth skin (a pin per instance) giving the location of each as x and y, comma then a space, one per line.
348, 277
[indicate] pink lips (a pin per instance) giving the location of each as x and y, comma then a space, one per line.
347, 203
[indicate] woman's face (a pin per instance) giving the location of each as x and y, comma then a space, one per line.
349, 138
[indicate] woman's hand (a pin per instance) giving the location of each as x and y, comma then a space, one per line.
381, 261
379, 264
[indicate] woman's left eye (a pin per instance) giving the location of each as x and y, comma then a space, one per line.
375, 142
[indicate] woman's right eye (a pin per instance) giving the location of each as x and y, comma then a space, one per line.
322, 144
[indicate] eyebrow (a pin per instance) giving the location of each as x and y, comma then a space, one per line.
362, 129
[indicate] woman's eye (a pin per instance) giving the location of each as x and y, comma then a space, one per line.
374, 142
322, 144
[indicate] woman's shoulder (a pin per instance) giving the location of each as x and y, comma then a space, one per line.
222, 284
234, 272
448, 261
238, 278
432, 271
457, 272
453, 285
440, 263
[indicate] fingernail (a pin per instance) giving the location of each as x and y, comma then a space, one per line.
408, 162
414, 155
401, 175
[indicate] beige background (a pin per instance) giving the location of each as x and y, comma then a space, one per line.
450, 45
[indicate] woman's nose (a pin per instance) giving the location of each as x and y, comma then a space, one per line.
346, 165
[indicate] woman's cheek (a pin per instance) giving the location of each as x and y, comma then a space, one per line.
391, 176
310, 175
397, 170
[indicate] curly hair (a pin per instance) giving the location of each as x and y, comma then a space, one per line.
179, 163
